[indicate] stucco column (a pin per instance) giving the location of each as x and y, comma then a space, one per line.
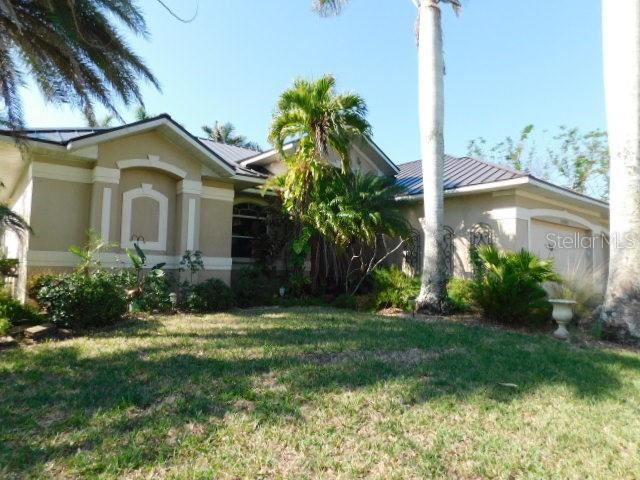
104, 194
188, 216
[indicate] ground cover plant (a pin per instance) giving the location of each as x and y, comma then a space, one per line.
316, 393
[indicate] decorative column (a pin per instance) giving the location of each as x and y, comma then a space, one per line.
104, 196
188, 216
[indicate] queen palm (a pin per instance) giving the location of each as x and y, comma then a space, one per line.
431, 110
226, 133
74, 52
621, 47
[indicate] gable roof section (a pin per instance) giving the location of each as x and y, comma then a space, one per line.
216, 156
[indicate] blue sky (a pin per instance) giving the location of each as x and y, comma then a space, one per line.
508, 64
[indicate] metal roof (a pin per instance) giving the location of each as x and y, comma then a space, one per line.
230, 153
458, 172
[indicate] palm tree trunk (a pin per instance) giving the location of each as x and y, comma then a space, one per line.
431, 110
621, 46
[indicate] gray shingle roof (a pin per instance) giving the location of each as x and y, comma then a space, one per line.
458, 172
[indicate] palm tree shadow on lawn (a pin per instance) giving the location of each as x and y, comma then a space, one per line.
268, 369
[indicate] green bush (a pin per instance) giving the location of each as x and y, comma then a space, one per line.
85, 300
155, 294
392, 288
5, 326
345, 300
460, 294
508, 288
212, 295
253, 287
16, 312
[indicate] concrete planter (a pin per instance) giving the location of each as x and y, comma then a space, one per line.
562, 314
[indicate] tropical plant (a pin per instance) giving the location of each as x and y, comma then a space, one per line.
313, 111
139, 262
89, 254
392, 288
226, 133
621, 47
431, 112
140, 113
74, 51
10, 220
460, 293
509, 288
355, 213
191, 261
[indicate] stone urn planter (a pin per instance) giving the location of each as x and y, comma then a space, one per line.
562, 314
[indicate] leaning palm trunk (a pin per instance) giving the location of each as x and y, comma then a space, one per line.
431, 106
621, 45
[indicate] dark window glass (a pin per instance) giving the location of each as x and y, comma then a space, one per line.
248, 227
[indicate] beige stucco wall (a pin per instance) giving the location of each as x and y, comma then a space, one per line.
215, 227
142, 145
507, 213
59, 214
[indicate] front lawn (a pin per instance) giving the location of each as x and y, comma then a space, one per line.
317, 393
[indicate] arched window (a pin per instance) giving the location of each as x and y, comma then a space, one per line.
249, 226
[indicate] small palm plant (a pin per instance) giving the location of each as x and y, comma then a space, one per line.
508, 288
139, 262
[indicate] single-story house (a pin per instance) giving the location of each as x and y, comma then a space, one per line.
154, 183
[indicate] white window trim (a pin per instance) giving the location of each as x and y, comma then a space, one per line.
145, 191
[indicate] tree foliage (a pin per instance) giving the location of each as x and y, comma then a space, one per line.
323, 120
572, 158
74, 51
226, 133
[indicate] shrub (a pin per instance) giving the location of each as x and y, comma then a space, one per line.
37, 281
5, 326
581, 287
345, 300
392, 288
509, 287
253, 288
85, 300
17, 313
212, 295
460, 294
154, 296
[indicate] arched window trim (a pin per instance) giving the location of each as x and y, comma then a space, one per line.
145, 191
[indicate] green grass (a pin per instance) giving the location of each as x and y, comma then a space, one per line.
317, 393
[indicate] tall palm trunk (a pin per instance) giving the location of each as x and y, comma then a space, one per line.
431, 110
621, 45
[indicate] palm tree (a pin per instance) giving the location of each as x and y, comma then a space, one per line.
320, 120
621, 46
141, 113
73, 51
10, 220
313, 111
225, 133
431, 110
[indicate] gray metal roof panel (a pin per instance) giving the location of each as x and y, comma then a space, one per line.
458, 172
